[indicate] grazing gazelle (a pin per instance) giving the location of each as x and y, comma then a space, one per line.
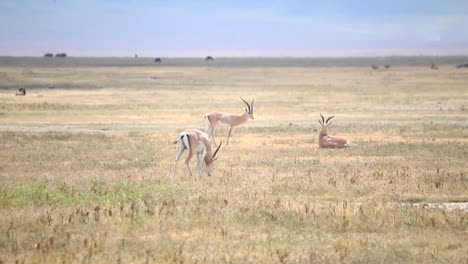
326, 141
196, 142
212, 119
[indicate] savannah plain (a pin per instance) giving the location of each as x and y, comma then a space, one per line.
86, 162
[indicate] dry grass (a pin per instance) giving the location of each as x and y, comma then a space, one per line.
86, 167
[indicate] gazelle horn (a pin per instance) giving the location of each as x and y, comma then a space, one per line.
216, 151
329, 119
246, 103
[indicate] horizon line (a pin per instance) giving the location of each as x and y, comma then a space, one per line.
244, 57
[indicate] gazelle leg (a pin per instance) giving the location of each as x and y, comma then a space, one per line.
213, 129
229, 135
180, 150
187, 162
200, 160
199, 166
209, 129
233, 136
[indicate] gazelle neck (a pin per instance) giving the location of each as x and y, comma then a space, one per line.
323, 132
242, 118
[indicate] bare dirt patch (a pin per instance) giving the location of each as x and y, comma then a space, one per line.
449, 207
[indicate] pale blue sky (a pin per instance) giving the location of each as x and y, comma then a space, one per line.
233, 28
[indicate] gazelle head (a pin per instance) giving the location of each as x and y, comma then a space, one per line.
210, 160
325, 124
250, 108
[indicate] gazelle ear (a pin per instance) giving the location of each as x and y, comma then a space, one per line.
216, 158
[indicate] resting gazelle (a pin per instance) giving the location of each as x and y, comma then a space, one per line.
326, 141
212, 119
196, 142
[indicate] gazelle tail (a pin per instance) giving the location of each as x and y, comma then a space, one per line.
184, 139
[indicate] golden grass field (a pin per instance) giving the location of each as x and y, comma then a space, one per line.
86, 162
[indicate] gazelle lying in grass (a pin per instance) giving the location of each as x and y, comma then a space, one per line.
326, 141
196, 142
212, 119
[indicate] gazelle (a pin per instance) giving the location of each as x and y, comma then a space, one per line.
326, 141
196, 142
212, 119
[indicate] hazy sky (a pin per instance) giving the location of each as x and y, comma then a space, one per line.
233, 28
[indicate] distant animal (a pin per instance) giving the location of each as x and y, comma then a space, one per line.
212, 120
326, 141
375, 67
434, 67
60, 55
136, 56
462, 66
209, 58
387, 66
48, 55
196, 142
157, 60
21, 92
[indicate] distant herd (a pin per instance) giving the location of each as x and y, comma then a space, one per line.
156, 60
58, 55
433, 66
210, 58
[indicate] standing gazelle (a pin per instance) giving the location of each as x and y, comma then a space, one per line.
196, 142
212, 119
326, 141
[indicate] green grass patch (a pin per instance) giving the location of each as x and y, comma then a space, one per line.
67, 194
